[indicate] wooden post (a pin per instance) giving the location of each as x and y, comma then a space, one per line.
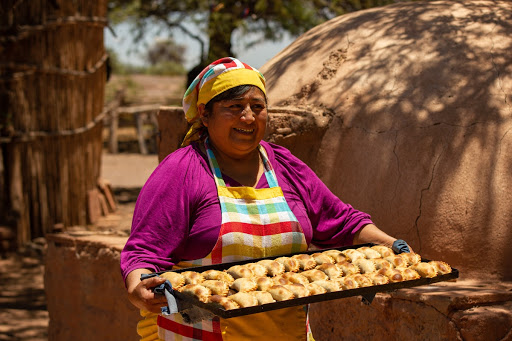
114, 124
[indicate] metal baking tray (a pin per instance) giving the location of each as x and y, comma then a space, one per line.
367, 293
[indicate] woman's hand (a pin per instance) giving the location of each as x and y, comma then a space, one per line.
140, 292
372, 234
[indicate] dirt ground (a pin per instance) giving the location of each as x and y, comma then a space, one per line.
23, 314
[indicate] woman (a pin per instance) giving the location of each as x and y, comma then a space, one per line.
225, 196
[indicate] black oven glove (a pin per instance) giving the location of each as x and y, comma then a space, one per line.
400, 246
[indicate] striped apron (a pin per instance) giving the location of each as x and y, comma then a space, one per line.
256, 223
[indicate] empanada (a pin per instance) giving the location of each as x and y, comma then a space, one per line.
381, 263
280, 280
177, 280
298, 290
321, 258
223, 302
330, 270
336, 255
348, 268
424, 269
315, 289
280, 293
353, 254
314, 275
369, 252
263, 297
290, 264
240, 271
216, 287
394, 275
306, 262
295, 278
362, 280
377, 279
347, 283
365, 265
244, 299
273, 268
397, 261
329, 286
383, 250
257, 269
410, 258
409, 274
192, 277
218, 275
441, 267
264, 283
244, 285
198, 291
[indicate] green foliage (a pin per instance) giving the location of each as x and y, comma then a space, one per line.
218, 19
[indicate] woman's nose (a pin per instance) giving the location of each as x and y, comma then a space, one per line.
247, 114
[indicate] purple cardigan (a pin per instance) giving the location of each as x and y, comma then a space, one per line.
177, 215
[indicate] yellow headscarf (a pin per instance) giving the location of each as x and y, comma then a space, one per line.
219, 76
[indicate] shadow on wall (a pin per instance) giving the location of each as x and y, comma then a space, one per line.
422, 132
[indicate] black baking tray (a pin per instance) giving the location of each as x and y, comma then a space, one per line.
366, 292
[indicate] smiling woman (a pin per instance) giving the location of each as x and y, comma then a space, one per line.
227, 195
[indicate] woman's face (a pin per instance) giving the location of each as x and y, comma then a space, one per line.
236, 126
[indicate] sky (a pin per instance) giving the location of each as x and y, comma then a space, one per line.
130, 52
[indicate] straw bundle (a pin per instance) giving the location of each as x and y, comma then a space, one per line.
52, 77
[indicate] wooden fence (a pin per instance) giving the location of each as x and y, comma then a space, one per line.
52, 79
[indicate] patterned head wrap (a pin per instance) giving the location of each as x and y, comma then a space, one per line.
219, 76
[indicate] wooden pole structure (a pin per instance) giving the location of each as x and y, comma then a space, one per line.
52, 80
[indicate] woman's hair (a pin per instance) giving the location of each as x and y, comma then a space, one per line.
235, 92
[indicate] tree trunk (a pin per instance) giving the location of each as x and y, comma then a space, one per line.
52, 79
220, 27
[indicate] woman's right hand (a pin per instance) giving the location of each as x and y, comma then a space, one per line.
140, 293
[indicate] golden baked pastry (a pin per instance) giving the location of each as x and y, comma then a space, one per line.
306, 262
192, 277
273, 268
240, 271
244, 299
295, 278
397, 261
425, 269
329, 286
314, 275
348, 268
243, 284
177, 280
365, 265
216, 287
321, 258
263, 297
198, 291
290, 264
298, 290
362, 280
223, 302
410, 257
394, 275
280, 293
218, 275
280, 280
336, 255
330, 270
381, 263
369, 252
441, 267
383, 250
257, 269
409, 274
347, 283
315, 289
263, 283
377, 279
353, 254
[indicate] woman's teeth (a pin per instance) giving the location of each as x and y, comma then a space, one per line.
246, 131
